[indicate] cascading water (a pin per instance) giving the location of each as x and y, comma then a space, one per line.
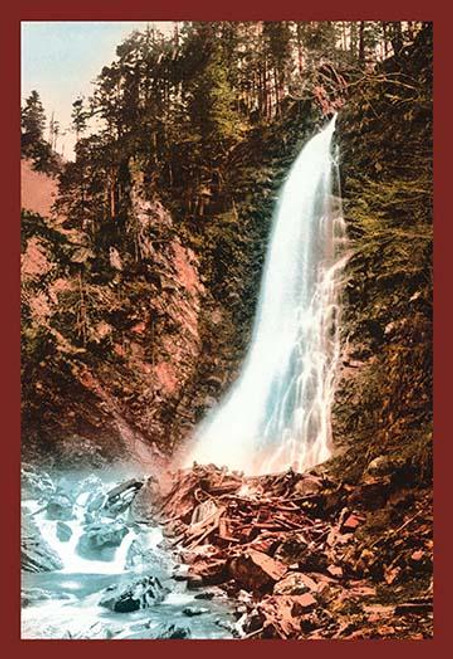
277, 414
94, 553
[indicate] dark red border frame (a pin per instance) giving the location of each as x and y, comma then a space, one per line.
18, 10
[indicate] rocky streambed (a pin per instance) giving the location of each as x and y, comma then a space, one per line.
209, 553
95, 564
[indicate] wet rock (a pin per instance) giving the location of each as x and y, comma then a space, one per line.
140, 594
180, 573
100, 540
229, 626
194, 581
64, 531
36, 553
172, 631
35, 484
60, 506
256, 571
95, 504
31, 596
90, 484
208, 595
191, 611
119, 498
139, 556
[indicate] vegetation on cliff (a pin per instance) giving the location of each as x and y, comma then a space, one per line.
385, 401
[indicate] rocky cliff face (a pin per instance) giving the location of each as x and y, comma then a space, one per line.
109, 342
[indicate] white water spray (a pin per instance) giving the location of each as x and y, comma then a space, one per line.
277, 414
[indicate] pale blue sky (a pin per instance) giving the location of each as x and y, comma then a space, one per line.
60, 59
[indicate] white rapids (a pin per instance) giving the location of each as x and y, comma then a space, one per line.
278, 412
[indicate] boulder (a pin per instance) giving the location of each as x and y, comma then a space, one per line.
101, 539
309, 484
207, 572
192, 611
140, 594
293, 549
202, 512
335, 571
172, 631
380, 466
64, 531
120, 497
60, 506
350, 524
256, 571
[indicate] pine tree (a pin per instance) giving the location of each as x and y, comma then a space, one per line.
79, 117
33, 144
33, 123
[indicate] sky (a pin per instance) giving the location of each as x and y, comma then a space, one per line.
60, 59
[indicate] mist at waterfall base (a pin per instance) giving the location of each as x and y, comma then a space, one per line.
277, 413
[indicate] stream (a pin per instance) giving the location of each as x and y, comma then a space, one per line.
92, 571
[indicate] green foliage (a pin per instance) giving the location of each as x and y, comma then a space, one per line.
33, 120
79, 117
33, 144
387, 408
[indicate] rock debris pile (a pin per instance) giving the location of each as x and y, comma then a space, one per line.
305, 556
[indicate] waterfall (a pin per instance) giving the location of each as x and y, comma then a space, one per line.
277, 413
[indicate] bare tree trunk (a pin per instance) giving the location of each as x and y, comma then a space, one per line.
385, 37
362, 42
